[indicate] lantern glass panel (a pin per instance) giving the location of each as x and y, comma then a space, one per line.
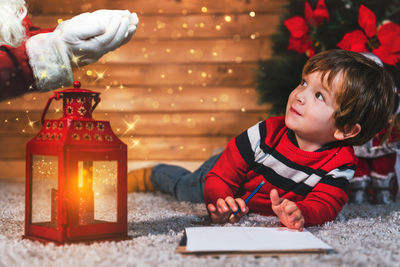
97, 183
44, 183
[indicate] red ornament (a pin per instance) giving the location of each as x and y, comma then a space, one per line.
76, 170
384, 42
298, 27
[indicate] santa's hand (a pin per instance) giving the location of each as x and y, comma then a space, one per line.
91, 35
287, 211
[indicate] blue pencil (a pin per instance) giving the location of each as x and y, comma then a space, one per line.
250, 196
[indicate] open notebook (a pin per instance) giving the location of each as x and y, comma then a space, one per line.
251, 240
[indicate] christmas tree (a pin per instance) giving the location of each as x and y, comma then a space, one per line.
308, 27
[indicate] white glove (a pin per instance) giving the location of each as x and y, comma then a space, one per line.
78, 41
91, 35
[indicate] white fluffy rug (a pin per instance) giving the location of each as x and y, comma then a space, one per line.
367, 235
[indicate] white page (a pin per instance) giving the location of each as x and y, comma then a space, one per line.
250, 239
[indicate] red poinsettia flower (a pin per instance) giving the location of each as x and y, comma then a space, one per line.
317, 16
384, 42
298, 27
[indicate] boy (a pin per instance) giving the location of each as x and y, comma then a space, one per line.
305, 157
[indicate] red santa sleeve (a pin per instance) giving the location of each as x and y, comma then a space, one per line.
40, 63
16, 76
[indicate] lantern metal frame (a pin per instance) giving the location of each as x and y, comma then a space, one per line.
76, 137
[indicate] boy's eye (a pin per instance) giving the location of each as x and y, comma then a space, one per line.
303, 82
319, 96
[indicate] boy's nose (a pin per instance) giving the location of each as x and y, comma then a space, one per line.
300, 98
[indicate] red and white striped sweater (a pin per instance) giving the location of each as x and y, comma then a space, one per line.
317, 181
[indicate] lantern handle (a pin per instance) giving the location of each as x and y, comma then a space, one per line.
57, 97
97, 100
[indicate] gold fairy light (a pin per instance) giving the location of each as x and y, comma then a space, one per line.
99, 75
134, 143
230, 71
180, 88
184, 25
228, 18
218, 27
168, 50
60, 20
238, 59
243, 110
43, 75
130, 126
215, 54
212, 118
9, 103
202, 25
253, 36
89, 73
162, 75
192, 51
31, 123
160, 25
252, 14
75, 59
121, 86
190, 71
181, 147
204, 9
204, 74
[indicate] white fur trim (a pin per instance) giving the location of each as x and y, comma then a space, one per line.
49, 60
382, 176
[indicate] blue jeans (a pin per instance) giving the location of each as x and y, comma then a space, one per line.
181, 183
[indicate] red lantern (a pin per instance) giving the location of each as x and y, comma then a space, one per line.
76, 170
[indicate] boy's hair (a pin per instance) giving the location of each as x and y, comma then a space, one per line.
366, 94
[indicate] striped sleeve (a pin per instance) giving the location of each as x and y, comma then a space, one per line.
328, 197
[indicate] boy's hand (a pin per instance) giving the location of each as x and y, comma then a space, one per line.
287, 211
222, 211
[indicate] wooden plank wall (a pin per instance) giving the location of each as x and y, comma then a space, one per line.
181, 88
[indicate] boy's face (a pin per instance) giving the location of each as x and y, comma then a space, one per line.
309, 111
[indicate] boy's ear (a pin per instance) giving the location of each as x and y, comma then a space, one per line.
348, 132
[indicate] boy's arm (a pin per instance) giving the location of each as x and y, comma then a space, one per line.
327, 198
226, 177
